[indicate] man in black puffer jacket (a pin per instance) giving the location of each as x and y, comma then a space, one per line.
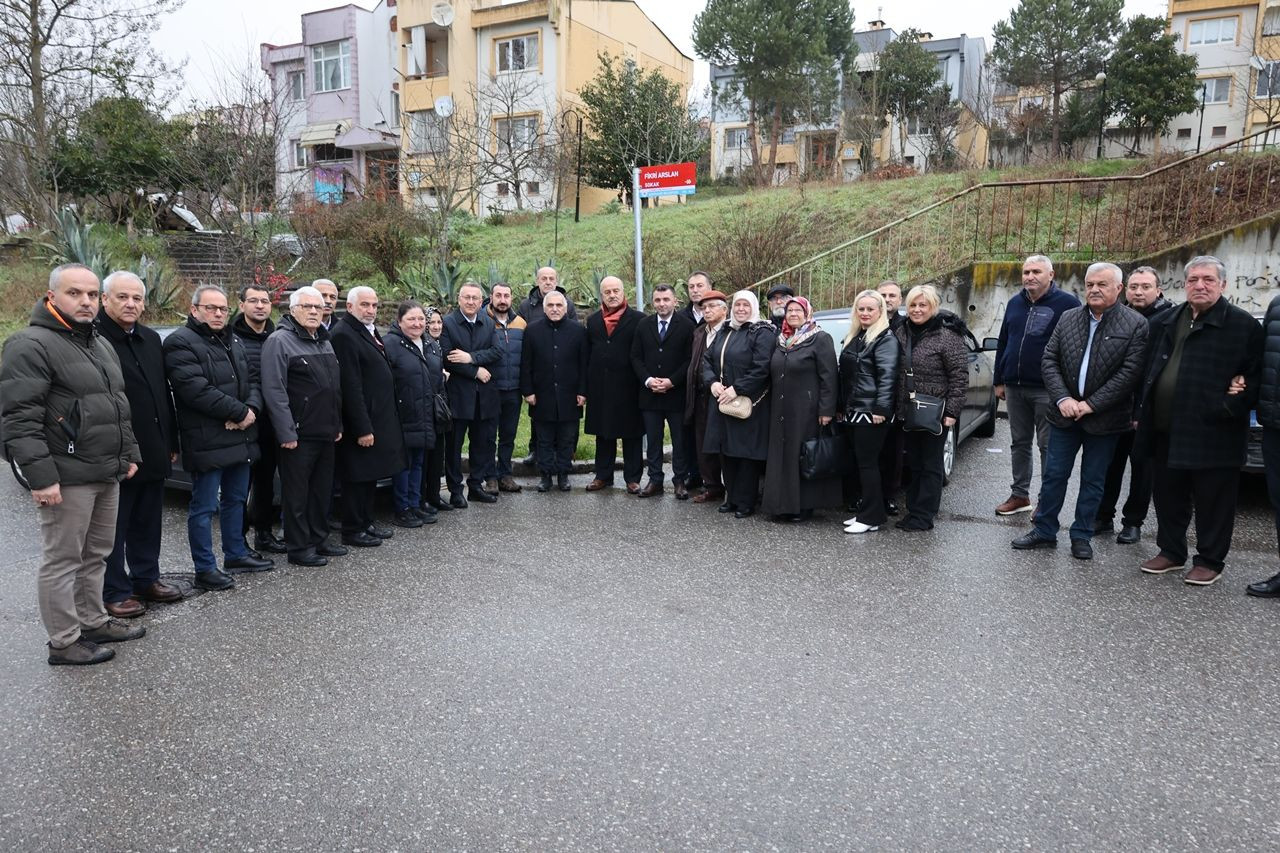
252, 325
1269, 417
218, 401
1091, 366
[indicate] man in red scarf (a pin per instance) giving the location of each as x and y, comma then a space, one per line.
613, 391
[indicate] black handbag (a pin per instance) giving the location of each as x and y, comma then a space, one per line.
443, 415
924, 411
828, 455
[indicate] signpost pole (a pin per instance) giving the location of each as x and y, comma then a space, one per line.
635, 206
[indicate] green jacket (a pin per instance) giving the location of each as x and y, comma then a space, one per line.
63, 407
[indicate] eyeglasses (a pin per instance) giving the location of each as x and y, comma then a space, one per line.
213, 309
256, 302
309, 307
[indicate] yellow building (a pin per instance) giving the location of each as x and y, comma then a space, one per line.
511, 70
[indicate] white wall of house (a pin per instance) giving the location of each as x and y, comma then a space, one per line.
1223, 69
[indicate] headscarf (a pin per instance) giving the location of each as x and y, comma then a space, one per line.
755, 309
790, 337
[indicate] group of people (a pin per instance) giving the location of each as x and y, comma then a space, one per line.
97, 408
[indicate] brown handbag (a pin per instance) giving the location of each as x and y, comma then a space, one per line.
740, 406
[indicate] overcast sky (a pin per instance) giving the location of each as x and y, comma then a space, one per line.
213, 36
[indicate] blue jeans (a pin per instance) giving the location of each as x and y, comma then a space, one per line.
407, 484
233, 483
1060, 458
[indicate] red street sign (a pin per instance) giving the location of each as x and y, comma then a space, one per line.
671, 179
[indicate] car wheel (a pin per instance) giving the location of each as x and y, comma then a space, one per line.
948, 455
988, 427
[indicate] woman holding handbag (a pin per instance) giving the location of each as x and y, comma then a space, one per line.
868, 383
803, 379
735, 368
416, 368
931, 391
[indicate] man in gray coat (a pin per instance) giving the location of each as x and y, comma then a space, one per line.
69, 439
1091, 366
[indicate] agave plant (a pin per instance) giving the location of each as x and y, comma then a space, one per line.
164, 291
73, 242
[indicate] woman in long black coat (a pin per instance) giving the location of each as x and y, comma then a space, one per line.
802, 379
417, 369
737, 363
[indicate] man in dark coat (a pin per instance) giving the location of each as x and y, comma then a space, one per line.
697, 285
155, 426
252, 324
553, 380
547, 280
1269, 417
1144, 296
1092, 365
471, 351
372, 445
614, 411
1193, 428
217, 402
715, 311
660, 360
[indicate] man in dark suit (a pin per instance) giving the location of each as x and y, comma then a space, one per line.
660, 358
1192, 426
614, 411
470, 348
372, 445
138, 523
698, 285
715, 308
553, 380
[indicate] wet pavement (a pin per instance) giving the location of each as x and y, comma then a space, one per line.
594, 671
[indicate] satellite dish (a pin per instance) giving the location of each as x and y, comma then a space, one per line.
444, 106
442, 14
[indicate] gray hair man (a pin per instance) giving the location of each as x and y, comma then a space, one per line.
68, 436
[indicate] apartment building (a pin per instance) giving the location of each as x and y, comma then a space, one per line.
514, 70
338, 120
820, 149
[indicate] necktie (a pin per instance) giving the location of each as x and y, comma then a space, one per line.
662, 330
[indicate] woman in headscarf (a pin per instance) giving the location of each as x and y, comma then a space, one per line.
803, 379
868, 380
433, 465
736, 364
936, 358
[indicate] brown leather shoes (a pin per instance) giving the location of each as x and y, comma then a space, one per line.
160, 591
127, 609
650, 489
1159, 564
508, 484
1014, 505
1200, 576
633, 488
597, 484
709, 496
682, 492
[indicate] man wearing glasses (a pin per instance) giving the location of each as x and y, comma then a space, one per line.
218, 401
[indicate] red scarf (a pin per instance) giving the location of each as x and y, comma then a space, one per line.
611, 318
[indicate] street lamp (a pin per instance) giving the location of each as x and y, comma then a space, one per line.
1102, 110
1204, 90
577, 193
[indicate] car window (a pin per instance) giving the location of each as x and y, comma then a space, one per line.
835, 326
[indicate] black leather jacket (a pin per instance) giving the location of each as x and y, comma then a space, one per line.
869, 375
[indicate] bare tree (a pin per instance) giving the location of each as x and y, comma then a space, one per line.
515, 132
442, 169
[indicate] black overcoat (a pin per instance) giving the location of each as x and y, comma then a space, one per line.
804, 384
469, 398
746, 353
419, 376
613, 392
666, 358
553, 365
155, 424
368, 405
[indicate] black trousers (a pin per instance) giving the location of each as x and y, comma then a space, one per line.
1135, 508
924, 462
433, 469
138, 526
654, 422
306, 488
357, 505
868, 443
891, 459
709, 464
632, 459
689, 444
260, 514
508, 423
1271, 459
741, 480
557, 441
480, 453
1209, 492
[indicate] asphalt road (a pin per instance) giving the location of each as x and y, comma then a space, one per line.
598, 672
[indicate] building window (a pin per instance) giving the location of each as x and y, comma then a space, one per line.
519, 53
728, 171
1184, 133
1212, 31
299, 154
736, 137
517, 134
1217, 90
1271, 22
504, 189
296, 84
395, 109
428, 133
1219, 131
329, 152
331, 66
532, 188
1269, 81
910, 160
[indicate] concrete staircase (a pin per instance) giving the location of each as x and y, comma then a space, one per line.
210, 257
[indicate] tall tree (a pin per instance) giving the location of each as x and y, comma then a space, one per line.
788, 57
908, 73
634, 118
1054, 45
1149, 81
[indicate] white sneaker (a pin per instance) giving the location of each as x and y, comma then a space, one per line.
849, 521
855, 526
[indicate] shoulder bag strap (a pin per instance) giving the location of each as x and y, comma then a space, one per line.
910, 374
722, 349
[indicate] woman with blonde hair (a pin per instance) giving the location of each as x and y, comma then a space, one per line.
868, 382
935, 363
